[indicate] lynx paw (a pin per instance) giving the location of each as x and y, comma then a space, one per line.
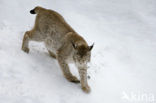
73, 79
86, 89
25, 49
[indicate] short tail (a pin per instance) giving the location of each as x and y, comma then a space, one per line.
36, 10
32, 11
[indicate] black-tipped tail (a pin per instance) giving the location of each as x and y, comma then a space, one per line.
32, 11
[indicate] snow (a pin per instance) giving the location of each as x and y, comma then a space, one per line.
123, 58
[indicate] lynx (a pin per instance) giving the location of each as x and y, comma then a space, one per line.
62, 43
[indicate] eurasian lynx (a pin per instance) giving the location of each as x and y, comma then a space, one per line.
62, 42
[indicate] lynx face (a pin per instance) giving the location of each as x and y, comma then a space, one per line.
82, 54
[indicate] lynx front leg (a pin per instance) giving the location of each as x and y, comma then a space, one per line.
65, 68
83, 77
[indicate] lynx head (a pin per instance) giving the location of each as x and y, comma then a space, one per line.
82, 53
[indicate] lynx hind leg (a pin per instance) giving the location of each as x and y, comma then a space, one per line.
25, 43
65, 69
52, 54
30, 36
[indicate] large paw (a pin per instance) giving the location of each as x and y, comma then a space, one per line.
86, 89
25, 49
73, 79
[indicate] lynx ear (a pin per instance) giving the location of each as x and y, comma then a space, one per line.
91, 47
74, 46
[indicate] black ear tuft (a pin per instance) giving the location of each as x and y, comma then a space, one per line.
91, 47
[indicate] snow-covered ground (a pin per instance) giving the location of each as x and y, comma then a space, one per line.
123, 67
